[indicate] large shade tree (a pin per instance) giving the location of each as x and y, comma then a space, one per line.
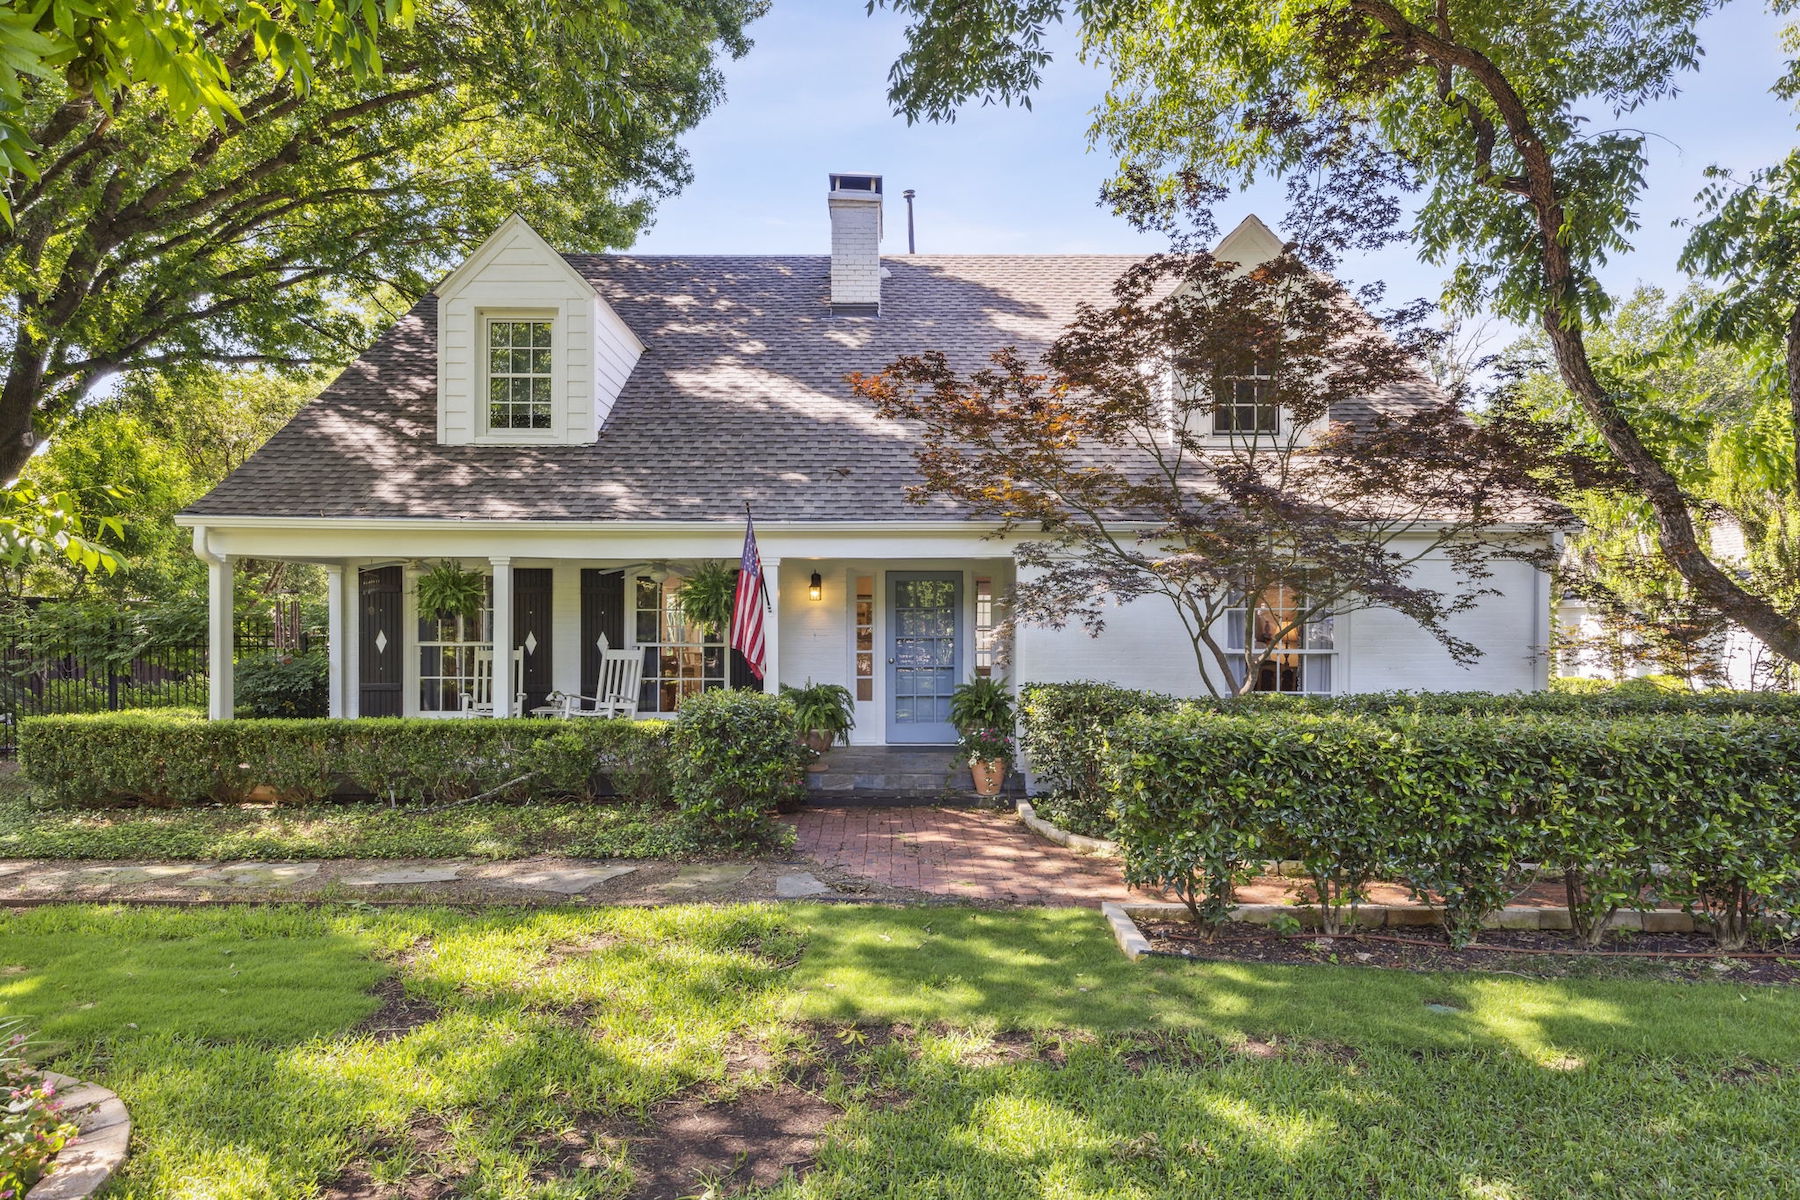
99, 49
153, 237
1516, 120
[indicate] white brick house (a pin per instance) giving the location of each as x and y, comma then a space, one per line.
584, 428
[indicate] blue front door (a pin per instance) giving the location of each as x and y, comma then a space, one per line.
924, 654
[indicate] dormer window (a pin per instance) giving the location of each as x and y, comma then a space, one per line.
1245, 402
520, 370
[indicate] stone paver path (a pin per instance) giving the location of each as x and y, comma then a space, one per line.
799, 886
251, 875
570, 879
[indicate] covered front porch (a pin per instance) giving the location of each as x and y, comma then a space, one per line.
899, 630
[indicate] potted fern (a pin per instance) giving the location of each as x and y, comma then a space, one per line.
824, 712
450, 590
706, 597
981, 711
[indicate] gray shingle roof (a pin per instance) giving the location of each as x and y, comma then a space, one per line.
741, 396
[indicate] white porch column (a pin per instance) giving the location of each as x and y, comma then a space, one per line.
503, 647
220, 642
337, 625
772, 627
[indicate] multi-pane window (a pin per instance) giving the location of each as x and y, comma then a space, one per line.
865, 637
1288, 654
985, 635
1245, 403
519, 374
447, 656
679, 660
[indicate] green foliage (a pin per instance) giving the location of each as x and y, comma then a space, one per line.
142, 452
450, 589
1456, 803
100, 50
737, 755
706, 596
168, 760
591, 758
1499, 137
289, 237
982, 703
826, 709
1196, 828
1063, 733
279, 685
32, 1125
980, 744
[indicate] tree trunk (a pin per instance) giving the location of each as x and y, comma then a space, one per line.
1541, 188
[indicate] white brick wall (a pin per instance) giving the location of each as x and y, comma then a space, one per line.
855, 247
1144, 645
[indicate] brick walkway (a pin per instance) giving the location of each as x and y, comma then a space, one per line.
974, 853
987, 855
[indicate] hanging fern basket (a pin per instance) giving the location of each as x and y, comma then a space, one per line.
451, 590
706, 597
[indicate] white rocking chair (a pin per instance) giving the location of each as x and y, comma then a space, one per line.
478, 697
615, 692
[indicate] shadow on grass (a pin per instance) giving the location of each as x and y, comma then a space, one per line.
1058, 968
1288, 1121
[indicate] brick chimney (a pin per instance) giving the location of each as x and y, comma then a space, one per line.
855, 203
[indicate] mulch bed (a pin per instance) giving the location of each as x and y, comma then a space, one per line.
1538, 954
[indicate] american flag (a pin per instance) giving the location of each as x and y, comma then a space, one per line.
752, 599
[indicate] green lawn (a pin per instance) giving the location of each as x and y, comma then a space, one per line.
489, 831
229, 1033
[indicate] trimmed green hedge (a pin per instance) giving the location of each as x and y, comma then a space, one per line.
1614, 702
1455, 804
1062, 733
1064, 726
722, 764
170, 759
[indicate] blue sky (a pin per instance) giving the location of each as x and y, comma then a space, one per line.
811, 98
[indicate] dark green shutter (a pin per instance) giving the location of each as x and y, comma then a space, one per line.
380, 643
602, 612
531, 630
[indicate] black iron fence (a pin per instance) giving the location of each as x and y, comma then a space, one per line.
60, 658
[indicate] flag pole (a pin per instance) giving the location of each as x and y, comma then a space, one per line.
750, 524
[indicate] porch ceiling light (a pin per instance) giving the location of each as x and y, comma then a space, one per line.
816, 589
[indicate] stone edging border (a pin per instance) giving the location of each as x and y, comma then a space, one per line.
1062, 837
91, 1157
1132, 941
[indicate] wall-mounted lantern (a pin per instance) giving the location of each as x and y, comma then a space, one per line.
816, 589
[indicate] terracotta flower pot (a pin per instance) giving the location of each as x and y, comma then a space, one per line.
989, 775
818, 743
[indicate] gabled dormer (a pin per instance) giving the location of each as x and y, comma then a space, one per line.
1243, 410
528, 352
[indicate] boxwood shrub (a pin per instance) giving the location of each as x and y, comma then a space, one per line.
1456, 804
736, 755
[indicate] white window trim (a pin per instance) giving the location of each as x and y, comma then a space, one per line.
650, 678
1237, 631
487, 434
1246, 435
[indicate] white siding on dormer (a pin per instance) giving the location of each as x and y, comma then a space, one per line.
516, 274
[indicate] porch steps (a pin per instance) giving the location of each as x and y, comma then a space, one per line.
895, 775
